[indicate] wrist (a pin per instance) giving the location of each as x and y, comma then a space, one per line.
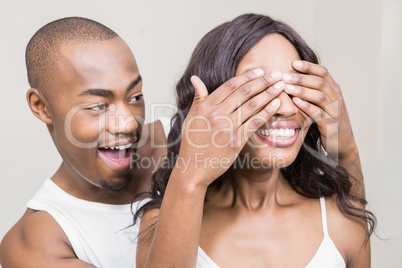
189, 181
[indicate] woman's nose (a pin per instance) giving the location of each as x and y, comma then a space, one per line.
287, 108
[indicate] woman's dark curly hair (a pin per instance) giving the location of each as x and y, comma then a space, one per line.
215, 59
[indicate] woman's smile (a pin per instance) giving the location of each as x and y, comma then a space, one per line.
279, 137
280, 133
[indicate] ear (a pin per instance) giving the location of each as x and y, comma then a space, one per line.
37, 104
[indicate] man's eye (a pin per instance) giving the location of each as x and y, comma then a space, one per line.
97, 108
135, 98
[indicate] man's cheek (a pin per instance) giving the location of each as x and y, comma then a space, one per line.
83, 133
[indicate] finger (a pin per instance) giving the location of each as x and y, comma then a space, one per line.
230, 86
316, 97
313, 111
250, 126
200, 90
258, 102
315, 69
252, 88
310, 81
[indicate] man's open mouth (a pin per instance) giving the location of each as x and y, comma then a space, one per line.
116, 156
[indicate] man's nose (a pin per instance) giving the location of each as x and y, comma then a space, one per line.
121, 120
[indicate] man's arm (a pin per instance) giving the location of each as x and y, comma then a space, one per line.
152, 148
36, 240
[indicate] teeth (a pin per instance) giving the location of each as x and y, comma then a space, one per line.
120, 147
128, 145
283, 133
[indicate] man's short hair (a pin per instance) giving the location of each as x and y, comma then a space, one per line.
42, 49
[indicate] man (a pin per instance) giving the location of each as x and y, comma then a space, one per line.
86, 87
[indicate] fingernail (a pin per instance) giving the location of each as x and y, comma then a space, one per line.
276, 102
276, 74
296, 99
297, 63
279, 85
290, 88
258, 72
287, 77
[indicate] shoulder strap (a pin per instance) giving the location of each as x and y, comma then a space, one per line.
324, 216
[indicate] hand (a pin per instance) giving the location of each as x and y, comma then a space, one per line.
316, 93
218, 125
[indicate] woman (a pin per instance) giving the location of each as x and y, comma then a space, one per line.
246, 189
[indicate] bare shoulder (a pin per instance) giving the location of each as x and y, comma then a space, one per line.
148, 221
147, 228
36, 240
349, 235
151, 153
158, 132
153, 137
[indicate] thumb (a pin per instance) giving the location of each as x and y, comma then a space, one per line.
200, 91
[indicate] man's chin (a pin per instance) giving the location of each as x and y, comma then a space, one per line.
116, 186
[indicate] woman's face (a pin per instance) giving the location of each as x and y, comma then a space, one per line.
277, 143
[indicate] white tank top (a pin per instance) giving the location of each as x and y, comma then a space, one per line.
100, 234
326, 256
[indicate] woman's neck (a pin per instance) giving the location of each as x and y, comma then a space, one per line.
255, 189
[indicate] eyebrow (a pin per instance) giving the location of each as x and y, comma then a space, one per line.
134, 83
107, 92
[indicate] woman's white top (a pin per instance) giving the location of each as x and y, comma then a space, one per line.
327, 254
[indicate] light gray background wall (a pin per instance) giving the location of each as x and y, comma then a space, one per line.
359, 41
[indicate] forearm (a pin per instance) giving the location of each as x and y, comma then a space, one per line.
351, 162
176, 237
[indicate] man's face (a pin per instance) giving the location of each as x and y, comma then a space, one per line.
96, 104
